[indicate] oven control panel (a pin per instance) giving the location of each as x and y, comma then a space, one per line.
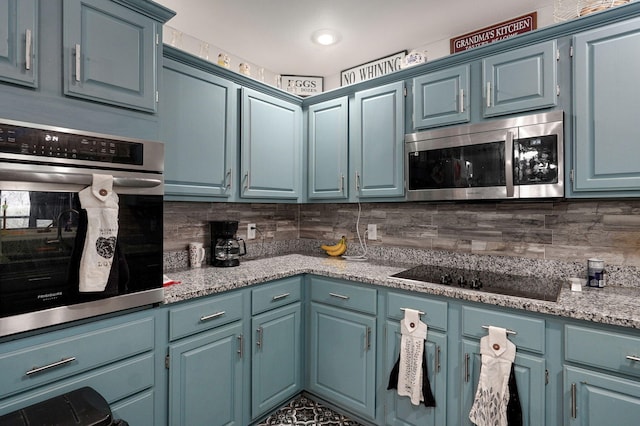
30, 141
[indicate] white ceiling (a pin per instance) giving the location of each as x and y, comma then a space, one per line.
276, 34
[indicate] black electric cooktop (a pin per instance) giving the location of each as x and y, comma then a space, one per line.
547, 289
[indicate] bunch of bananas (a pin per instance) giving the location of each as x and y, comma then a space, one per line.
336, 249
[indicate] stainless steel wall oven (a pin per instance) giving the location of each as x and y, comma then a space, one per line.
519, 157
43, 224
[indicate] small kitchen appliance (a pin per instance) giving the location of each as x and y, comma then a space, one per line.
225, 246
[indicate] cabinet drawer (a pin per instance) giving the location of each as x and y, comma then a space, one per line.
435, 312
60, 357
276, 294
604, 349
349, 296
199, 316
530, 331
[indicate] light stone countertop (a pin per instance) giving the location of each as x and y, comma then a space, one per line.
610, 305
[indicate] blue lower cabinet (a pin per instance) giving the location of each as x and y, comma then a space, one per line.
342, 358
276, 358
593, 398
400, 411
205, 378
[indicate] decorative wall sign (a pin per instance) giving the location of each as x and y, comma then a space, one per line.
495, 32
302, 85
373, 69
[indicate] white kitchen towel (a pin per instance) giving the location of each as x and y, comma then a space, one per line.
492, 396
410, 376
101, 204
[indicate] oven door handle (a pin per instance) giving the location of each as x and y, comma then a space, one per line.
74, 179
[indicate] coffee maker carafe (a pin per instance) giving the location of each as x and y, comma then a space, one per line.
225, 246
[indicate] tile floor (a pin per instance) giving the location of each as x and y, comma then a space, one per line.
303, 411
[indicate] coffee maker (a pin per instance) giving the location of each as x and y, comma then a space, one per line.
225, 246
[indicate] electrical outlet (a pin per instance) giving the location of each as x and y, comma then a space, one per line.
372, 232
251, 231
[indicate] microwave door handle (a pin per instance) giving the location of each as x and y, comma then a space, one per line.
74, 179
508, 164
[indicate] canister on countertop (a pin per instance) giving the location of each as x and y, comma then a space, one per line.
596, 273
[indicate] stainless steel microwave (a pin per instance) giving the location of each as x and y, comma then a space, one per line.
513, 158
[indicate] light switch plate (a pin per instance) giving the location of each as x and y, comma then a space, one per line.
251, 231
372, 232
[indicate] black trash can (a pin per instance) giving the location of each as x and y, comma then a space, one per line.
81, 407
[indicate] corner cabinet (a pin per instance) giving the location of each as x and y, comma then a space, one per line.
271, 147
328, 141
520, 80
199, 130
19, 42
441, 98
606, 111
377, 142
110, 54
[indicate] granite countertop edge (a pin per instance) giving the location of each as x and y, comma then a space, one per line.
611, 305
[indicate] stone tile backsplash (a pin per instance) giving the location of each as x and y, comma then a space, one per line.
544, 234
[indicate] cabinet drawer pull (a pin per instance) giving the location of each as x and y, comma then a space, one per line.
240, 345
27, 50
574, 409
339, 296
367, 339
78, 62
633, 358
281, 296
357, 181
466, 368
341, 189
63, 361
488, 94
259, 330
437, 359
229, 179
461, 100
212, 316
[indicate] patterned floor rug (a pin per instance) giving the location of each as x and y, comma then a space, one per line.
303, 411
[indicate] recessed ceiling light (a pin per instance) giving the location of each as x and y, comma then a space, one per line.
325, 37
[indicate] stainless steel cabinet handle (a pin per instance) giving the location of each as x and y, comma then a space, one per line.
367, 339
466, 368
229, 177
508, 163
78, 62
280, 296
63, 361
339, 296
437, 358
247, 181
574, 408
240, 345
259, 341
27, 49
341, 183
357, 181
461, 102
488, 94
633, 358
212, 316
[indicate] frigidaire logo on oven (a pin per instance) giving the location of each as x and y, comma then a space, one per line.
50, 296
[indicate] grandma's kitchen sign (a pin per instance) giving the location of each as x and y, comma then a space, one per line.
302, 85
373, 69
495, 32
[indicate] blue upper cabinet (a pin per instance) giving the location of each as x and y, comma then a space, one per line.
606, 111
441, 98
328, 142
378, 141
199, 128
110, 54
19, 42
271, 147
520, 80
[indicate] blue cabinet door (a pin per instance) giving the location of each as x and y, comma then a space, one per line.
606, 111
328, 144
19, 42
530, 374
198, 125
520, 80
342, 358
400, 411
276, 358
271, 147
110, 54
378, 142
205, 378
441, 98
598, 399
